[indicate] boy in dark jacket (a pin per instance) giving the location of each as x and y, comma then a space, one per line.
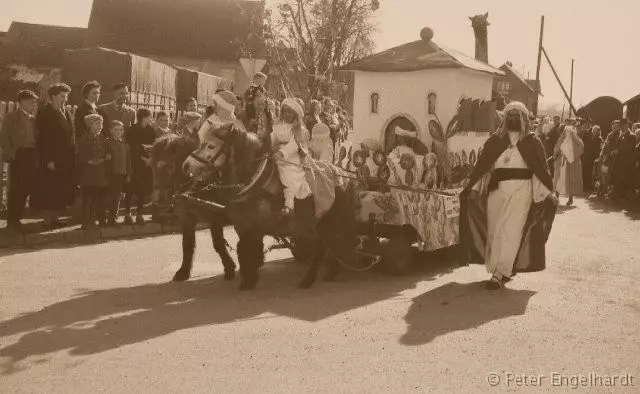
141, 185
92, 171
119, 169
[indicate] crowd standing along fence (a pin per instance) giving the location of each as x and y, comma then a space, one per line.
9, 106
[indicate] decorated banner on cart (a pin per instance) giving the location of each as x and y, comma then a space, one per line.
434, 216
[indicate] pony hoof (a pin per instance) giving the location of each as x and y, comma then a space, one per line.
306, 283
229, 275
180, 276
330, 277
246, 285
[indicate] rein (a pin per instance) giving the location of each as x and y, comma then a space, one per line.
390, 185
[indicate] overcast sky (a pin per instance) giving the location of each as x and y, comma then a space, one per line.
602, 37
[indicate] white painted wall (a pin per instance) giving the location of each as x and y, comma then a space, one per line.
406, 93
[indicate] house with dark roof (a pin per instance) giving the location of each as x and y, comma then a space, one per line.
514, 87
415, 86
207, 36
37, 45
31, 56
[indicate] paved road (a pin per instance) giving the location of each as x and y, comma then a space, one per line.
103, 318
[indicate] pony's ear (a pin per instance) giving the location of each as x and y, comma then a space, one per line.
224, 130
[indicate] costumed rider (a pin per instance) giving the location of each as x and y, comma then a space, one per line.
226, 103
508, 207
289, 141
256, 89
402, 159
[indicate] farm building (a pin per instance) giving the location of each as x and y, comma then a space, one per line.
205, 36
514, 87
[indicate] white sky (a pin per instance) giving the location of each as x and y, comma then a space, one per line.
600, 36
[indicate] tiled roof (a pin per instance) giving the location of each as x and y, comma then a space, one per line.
419, 55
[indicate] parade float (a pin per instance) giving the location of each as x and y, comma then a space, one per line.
421, 113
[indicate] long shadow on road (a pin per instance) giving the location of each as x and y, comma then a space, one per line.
101, 320
455, 306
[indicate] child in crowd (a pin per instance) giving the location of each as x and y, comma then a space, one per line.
119, 169
162, 124
141, 185
92, 171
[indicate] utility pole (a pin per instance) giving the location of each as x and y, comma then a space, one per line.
566, 95
571, 90
539, 61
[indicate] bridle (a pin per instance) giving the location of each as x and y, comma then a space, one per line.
211, 162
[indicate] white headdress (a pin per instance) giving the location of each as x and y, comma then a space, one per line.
399, 131
521, 109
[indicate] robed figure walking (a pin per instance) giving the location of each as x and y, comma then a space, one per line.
508, 207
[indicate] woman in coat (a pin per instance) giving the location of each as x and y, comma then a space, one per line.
56, 157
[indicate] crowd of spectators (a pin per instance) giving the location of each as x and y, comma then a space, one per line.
96, 155
610, 163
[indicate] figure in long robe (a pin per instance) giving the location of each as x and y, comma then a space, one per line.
508, 207
568, 152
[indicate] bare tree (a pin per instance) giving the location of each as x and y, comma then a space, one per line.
321, 35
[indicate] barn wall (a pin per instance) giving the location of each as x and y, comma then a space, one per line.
406, 93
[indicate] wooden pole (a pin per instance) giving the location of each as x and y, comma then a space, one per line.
539, 61
546, 56
571, 89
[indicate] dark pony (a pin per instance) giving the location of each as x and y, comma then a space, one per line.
167, 155
255, 209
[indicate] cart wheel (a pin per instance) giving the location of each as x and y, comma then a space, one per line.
398, 256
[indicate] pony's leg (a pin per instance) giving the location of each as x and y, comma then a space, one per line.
250, 257
308, 238
219, 244
333, 270
312, 272
188, 247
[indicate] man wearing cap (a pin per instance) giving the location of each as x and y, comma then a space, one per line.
18, 136
608, 153
623, 162
405, 140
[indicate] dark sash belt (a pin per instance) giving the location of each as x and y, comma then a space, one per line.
504, 174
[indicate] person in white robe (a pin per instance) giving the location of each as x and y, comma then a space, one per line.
511, 188
290, 136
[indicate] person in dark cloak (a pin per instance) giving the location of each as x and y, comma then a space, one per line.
141, 185
56, 146
508, 207
624, 162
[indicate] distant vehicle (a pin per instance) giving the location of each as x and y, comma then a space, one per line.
602, 111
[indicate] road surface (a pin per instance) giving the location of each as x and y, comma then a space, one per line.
105, 319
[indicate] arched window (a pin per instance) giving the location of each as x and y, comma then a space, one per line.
432, 103
375, 98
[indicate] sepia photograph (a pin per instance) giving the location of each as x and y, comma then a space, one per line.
319, 196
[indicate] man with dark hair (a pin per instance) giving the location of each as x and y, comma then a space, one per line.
118, 109
91, 95
549, 141
192, 105
18, 136
623, 162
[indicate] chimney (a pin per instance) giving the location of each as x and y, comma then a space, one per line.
479, 24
